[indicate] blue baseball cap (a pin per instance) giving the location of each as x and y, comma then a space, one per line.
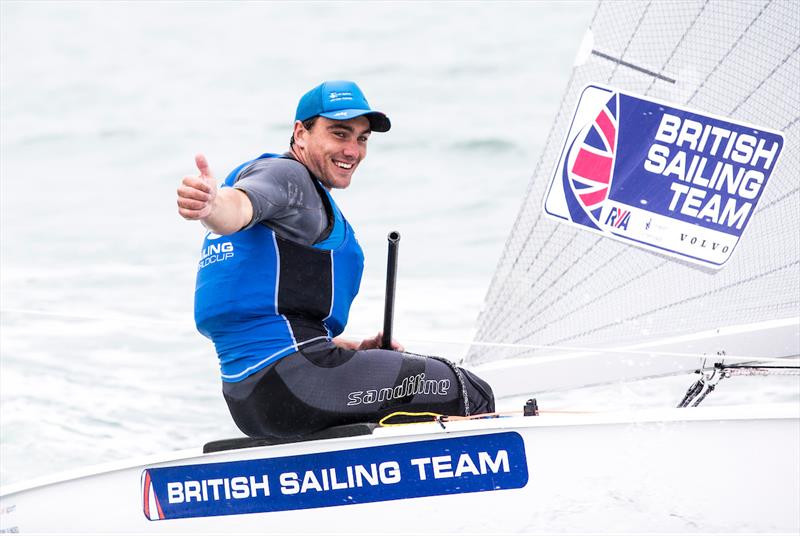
342, 100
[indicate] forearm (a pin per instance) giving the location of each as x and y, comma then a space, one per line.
367, 344
230, 212
346, 344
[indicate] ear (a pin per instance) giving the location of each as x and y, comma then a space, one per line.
300, 133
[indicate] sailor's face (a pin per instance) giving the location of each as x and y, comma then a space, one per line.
332, 150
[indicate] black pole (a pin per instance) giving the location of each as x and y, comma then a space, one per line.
391, 278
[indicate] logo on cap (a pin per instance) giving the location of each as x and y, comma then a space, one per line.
342, 95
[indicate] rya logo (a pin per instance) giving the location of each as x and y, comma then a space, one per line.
618, 218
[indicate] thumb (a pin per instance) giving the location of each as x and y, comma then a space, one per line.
202, 166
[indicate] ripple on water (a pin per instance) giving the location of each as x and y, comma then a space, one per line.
486, 145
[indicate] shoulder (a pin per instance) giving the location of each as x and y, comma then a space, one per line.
281, 169
279, 181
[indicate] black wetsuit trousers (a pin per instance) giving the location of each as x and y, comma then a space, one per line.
323, 385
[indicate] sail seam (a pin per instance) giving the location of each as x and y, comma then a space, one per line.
630, 39
778, 199
599, 297
781, 64
564, 271
578, 284
681, 302
791, 123
728, 53
680, 41
491, 321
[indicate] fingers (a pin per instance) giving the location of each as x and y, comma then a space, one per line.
195, 187
376, 341
193, 209
191, 203
371, 344
190, 214
198, 184
202, 165
194, 198
396, 346
196, 194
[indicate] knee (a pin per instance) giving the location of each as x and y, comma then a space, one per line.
480, 393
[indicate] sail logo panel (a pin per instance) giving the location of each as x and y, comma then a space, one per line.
659, 176
486, 462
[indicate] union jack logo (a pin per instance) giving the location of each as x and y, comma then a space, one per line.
590, 164
152, 506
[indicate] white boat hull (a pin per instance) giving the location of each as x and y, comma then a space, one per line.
688, 470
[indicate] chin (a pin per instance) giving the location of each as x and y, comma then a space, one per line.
344, 183
341, 181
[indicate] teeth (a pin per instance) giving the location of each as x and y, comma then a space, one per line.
343, 165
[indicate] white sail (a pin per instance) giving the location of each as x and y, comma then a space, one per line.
558, 286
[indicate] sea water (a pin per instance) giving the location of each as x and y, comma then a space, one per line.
103, 107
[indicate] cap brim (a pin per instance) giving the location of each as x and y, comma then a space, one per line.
378, 121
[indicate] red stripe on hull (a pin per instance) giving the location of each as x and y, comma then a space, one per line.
146, 497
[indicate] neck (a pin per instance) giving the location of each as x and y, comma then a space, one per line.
297, 155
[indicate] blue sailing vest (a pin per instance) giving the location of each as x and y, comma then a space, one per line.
260, 297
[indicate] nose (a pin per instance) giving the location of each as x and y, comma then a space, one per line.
351, 149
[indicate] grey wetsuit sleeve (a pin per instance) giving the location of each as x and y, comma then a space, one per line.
285, 199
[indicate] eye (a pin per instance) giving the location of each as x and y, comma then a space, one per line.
362, 139
339, 134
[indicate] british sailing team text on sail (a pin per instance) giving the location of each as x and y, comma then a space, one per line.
720, 195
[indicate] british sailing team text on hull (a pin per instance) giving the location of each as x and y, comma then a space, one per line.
645, 460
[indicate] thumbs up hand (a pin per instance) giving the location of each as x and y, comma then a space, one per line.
196, 194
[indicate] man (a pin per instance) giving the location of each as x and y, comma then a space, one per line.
279, 270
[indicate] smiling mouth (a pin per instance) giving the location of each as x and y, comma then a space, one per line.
342, 165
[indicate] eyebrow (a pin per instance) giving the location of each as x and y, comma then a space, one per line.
347, 127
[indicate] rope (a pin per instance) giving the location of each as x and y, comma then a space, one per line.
758, 370
708, 381
424, 417
462, 383
384, 422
